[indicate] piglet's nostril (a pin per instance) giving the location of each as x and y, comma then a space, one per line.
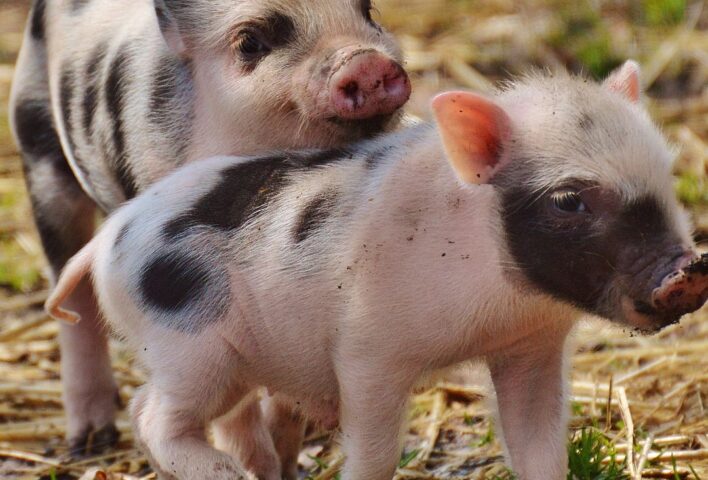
351, 88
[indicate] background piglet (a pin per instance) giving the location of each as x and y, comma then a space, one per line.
108, 97
339, 278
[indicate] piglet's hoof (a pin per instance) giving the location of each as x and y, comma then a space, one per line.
93, 442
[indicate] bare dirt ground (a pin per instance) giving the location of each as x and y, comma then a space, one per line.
644, 399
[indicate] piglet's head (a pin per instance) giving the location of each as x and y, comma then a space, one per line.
585, 194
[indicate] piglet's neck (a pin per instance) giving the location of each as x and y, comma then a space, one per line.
440, 243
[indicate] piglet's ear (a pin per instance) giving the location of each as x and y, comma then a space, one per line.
472, 130
625, 80
170, 28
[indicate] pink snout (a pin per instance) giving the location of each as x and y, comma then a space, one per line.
684, 290
368, 84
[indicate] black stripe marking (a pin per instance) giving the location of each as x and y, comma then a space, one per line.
35, 129
314, 215
171, 100
93, 77
115, 87
40, 7
244, 189
66, 98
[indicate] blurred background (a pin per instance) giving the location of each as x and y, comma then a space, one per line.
639, 403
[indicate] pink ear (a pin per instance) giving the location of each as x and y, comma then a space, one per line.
625, 80
472, 130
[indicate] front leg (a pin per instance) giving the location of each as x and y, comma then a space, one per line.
372, 408
529, 379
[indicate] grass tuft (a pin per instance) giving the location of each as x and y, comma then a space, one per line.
586, 453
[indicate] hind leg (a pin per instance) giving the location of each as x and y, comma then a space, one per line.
184, 393
287, 428
243, 433
65, 219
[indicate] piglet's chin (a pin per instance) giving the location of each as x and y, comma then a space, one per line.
644, 322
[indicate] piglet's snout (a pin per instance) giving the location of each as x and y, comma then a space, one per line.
684, 290
367, 84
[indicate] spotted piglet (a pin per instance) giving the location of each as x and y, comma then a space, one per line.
339, 278
109, 97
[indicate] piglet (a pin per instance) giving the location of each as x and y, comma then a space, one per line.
110, 96
339, 278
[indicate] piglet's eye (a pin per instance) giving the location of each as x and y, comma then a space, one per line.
568, 201
250, 46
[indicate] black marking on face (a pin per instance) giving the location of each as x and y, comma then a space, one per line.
38, 19
584, 258
92, 81
314, 215
35, 128
367, 8
244, 189
256, 40
174, 281
115, 96
279, 29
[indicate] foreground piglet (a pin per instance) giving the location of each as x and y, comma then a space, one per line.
338, 278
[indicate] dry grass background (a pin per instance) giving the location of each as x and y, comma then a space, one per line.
644, 397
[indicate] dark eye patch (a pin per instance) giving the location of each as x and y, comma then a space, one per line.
257, 39
279, 29
366, 8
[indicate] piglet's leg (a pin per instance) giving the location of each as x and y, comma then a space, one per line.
530, 386
372, 405
90, 393
287, 428
243, 434
185, 392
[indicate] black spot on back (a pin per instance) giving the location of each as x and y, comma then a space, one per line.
173, 282
38, 20
245, 188
92, 82
115, 96
314, 215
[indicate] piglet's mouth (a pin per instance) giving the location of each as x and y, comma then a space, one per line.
682, 291
363, 127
